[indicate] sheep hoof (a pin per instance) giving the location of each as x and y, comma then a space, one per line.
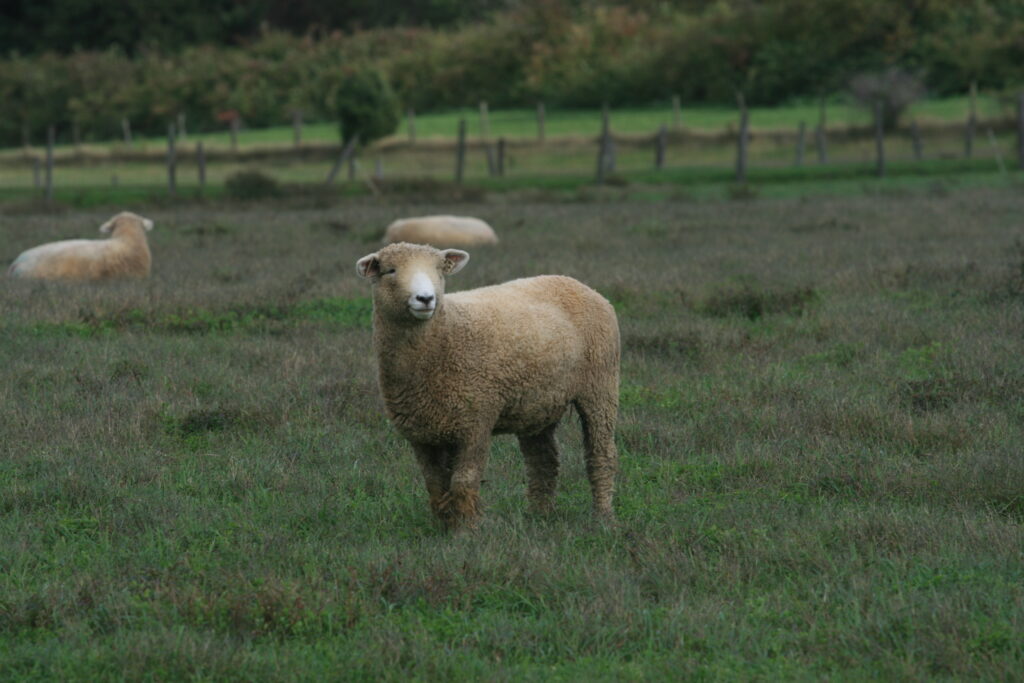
542, 507
604, 515
459, 511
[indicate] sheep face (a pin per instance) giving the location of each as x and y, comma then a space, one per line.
408, 279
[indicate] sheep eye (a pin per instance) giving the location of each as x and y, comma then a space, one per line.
388, 272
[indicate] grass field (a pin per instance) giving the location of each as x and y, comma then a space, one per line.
820, 429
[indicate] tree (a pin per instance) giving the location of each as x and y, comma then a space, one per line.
894, 88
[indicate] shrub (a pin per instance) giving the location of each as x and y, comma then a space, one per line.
361, 100
251, 185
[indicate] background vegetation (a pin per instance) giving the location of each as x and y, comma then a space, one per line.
820, 428
566, 54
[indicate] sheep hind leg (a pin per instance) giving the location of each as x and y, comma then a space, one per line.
540, 451
602, 459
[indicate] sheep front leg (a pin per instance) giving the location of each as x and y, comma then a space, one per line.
460, 506
436, 474
540, 451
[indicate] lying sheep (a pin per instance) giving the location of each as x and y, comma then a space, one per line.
441, 231
125, 254
509, 358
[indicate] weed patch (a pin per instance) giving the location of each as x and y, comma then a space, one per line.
751, 303
826, 225
742, 192
667, 344
251, 185
337, 311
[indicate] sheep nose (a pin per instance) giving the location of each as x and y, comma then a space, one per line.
425, 299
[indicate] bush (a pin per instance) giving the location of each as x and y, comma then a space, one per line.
249, 185
362, 102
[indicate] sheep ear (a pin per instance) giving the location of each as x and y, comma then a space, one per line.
454, 260
107, 227
368, 266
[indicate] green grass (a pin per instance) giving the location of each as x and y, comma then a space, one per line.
819, 427
302, 184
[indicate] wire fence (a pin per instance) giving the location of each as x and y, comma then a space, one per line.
520, 144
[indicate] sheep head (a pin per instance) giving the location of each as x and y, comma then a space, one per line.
408, 279
126, 219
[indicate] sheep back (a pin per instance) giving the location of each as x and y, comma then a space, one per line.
441, 231
512, 355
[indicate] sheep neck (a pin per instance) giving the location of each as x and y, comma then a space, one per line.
402, 344
131, 234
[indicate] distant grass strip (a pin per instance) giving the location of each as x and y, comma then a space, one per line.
339, 312
692, 182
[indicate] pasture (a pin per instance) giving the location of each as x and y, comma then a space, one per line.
822, 412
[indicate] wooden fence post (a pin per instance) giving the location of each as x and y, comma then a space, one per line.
879, 139
741, 140
821, 144
234, 133
972, 122
801, 142
181, 132
51, 135
540, 122
501, 157
201, 163
995, 151
1020, 130
460, 152
126, 130
605, 147
485, 134
609, 145
485, 124
660, 142
820, 138
411, 117
297, 128
346, 152
378, 169
915, 140
172, 162
492, 166
677, 112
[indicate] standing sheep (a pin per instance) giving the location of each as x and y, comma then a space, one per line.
125, 254
441, 231
509, 358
